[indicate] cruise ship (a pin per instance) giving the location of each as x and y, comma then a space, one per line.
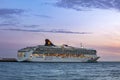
53, 53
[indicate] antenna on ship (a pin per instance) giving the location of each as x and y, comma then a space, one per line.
81, 45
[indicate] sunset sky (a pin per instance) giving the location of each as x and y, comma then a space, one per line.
95, 23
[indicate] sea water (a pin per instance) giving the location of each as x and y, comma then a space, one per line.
59, 71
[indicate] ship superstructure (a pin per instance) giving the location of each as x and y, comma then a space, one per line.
52, 53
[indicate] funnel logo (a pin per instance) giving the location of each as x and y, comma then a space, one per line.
48, 43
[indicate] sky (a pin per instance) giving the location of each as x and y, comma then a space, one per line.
94, 23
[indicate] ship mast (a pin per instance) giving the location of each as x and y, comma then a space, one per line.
81, 45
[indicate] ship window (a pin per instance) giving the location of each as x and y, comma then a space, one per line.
21, 54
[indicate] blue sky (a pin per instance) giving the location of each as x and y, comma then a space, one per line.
95, 23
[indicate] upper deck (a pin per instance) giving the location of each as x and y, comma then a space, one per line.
50, 48
41, 49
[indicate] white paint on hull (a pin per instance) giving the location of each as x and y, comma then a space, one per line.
56, 59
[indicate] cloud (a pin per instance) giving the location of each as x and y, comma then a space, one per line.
7, 24
9, 17
8, 13
51, 31
66, 31
43, 16
88, 4
18, 25
31, 26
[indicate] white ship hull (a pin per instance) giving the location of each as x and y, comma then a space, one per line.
61, 60
54, 59
29, 58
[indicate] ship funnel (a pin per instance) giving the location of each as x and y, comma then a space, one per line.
48, 43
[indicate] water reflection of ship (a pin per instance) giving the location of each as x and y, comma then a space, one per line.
53, 53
